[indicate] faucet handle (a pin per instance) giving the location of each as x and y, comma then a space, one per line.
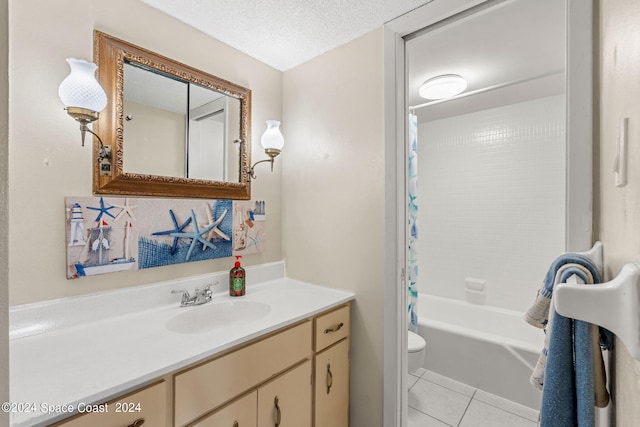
205, 293
185, 294
207, 289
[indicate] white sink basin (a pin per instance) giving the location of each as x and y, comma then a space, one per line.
216, 315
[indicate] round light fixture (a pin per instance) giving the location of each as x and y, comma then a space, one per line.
444, 86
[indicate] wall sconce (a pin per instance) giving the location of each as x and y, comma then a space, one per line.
272, 142
84, 98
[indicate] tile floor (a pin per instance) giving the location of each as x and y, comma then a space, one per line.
437, 401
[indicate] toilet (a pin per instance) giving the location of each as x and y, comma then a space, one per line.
417, 346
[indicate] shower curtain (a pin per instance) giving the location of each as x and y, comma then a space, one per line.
412, 276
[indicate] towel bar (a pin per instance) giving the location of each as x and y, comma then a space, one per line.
614, 305
595, 254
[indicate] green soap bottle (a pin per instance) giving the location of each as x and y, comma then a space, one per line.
237, 279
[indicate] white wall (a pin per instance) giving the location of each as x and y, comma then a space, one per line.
46, 160
618, 209
4, 209
333, 196
492, 200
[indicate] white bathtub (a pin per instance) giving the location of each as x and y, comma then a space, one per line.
489, 348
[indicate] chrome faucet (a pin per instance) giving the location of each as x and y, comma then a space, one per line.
200, 296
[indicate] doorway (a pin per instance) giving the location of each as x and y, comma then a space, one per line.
576, 234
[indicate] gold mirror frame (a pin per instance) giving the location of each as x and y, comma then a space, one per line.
110, 54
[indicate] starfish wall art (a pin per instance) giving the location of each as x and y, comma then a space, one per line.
109, 234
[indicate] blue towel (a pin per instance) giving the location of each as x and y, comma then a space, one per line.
568, 392
606, 336
549, 279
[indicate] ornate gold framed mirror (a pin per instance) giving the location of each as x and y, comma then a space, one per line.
170, 130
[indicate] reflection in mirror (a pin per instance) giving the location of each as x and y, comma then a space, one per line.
192, 126
171, 128
213, 124
155, 109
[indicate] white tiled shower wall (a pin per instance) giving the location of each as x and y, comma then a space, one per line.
491, 200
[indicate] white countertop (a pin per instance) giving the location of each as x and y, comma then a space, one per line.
94, 361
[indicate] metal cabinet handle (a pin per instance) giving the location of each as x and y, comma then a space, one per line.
278, 413
335, 328
137, 423
329, 378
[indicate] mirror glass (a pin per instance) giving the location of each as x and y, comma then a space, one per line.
172, 130
194, 127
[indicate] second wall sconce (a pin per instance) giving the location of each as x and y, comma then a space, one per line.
84, 98
272, 142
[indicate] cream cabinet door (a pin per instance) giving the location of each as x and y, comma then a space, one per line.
240, 413
286, 400
205, 387
143, 407
332, 386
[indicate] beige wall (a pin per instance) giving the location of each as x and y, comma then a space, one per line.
333, 196
618, 209
167, 128
4, 210
333, 183
46, 160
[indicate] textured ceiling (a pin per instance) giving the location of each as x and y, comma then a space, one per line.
509, 41
285, 33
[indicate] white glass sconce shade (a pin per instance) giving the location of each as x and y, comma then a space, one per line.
80, 89
272, 139
444, 86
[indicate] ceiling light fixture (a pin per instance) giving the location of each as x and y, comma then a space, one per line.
444, 86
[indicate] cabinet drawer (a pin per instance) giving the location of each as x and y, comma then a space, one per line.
332, 386
286, 400
207, 386
148, 404
240, 413
332, 327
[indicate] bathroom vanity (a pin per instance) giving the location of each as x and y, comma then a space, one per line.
277, 357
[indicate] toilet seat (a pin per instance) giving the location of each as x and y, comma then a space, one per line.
415, 355
416, 342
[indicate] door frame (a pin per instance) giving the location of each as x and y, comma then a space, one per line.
579, 184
